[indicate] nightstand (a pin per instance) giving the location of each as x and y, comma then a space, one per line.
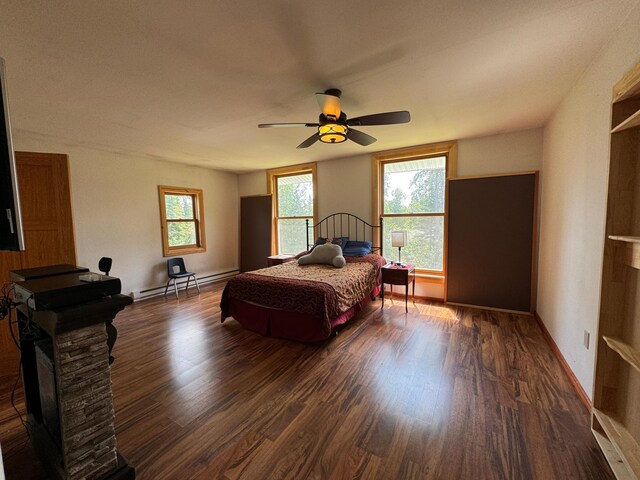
399, 275
278, 259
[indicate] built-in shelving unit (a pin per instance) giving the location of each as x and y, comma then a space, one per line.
615, 418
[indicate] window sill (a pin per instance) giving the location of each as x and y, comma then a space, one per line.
430, 278
183, 251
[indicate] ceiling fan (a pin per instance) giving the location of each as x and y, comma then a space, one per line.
334, 127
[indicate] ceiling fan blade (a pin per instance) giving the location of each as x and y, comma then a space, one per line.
273, 125
329, 102
360, 138
309, 141
388, 118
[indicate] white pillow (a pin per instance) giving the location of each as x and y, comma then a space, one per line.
327, 254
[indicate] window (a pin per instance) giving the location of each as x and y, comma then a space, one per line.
182, 215
410, 192
294, 202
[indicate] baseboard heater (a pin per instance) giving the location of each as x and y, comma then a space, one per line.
155, 291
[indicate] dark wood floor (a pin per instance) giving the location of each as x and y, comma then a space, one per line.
440, 392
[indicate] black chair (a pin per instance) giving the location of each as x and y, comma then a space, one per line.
105, 265
176, 270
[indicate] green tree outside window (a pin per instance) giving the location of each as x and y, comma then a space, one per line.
414, 195
182, 216
295, 205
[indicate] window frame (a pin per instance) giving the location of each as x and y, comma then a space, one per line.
198, 217
447, 149
272, 189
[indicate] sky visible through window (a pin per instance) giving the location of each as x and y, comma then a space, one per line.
401, 180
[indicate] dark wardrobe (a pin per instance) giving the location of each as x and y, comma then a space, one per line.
492, 241
255, 232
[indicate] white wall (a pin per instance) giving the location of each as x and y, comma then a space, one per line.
346, 182
344, 185
115, 206
254, 183
574, 186
508, 152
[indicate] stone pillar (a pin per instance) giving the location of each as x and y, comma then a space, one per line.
80, 337
85, 402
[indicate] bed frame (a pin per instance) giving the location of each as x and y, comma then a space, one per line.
297, 325
343, 225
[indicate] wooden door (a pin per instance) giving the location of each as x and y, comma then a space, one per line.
45, 201
46, 209
255, 232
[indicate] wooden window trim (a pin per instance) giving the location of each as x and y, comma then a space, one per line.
272, 177
379, 159
198, 212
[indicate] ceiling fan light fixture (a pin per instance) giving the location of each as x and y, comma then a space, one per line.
334, 127
332, 133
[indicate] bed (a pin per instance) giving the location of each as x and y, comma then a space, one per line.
309, 302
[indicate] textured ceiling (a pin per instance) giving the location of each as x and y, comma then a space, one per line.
190, 81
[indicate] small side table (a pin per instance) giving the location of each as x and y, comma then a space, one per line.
399, 275
278, 259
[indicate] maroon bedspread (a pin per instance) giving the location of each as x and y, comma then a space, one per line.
314, 298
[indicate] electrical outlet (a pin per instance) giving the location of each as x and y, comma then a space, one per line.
586, 338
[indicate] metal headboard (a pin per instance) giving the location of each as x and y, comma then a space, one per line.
346, 225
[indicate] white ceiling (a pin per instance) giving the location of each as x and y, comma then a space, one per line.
188, 81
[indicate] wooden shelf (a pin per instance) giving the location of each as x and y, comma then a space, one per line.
631, 122
626, 351
625, 238
622, 441
613, 459
628, 86
631, 254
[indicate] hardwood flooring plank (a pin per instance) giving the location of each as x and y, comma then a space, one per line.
377, 438
300, 446
398, 446
438, 392
231, 463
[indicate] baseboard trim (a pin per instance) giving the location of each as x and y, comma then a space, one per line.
400, 296
493, 309
567, 369
157, 291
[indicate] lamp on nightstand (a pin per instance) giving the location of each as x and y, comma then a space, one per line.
399, 239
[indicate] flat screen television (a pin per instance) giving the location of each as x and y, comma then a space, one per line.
11, 233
